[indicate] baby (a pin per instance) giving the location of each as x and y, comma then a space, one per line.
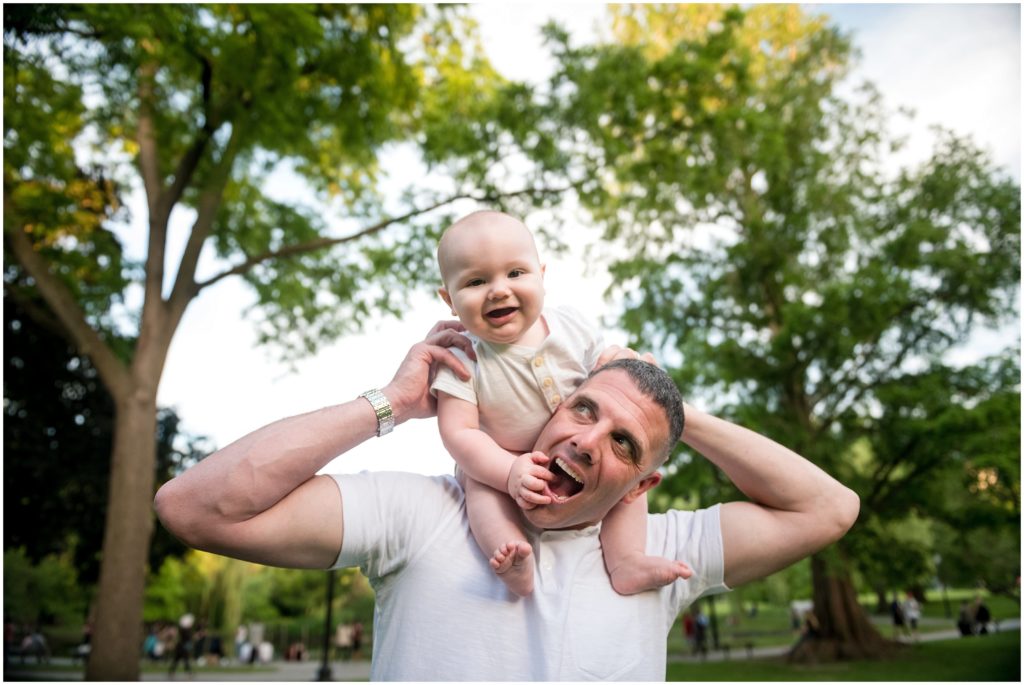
528, 359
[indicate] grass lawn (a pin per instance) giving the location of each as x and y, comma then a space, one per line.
990, 658
771, 626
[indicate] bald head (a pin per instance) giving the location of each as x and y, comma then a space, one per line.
478, 232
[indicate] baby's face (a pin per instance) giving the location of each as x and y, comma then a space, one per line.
494, 281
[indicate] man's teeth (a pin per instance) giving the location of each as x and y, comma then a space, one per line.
564, 465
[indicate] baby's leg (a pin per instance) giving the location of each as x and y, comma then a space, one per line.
624, 541
494, 520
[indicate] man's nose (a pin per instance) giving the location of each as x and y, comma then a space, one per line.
585, 446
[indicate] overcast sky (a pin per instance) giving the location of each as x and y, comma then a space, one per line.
958, 65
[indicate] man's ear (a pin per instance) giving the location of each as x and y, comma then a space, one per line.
645, 484
447, 299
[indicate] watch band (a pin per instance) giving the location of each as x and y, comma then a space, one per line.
382, 408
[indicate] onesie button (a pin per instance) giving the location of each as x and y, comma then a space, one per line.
548, 382
555, 399
538, 361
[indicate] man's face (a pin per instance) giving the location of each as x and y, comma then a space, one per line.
494, 281
605, 443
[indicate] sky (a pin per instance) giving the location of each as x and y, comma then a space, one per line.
958, 65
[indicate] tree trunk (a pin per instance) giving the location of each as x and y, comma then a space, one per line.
117, 634
845, 632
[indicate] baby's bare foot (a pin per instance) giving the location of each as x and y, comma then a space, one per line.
641, 573
511, 563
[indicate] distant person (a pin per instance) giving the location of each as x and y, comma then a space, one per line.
982, 616
151, 645
8, 640
700, 636
216, 653
912, 613
357, 638
690, 630
183, 645
965, 621
199, 643
241, 639
35, 644
899, 622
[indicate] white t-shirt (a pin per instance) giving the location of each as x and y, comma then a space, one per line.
442, 614
517, 388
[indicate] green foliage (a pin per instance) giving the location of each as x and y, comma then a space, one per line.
214, 98
224, 593
794, 279
44, 592
174, 590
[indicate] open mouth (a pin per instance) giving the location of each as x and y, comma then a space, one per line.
567, 481
502, 313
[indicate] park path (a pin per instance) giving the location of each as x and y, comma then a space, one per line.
342, 671
278, 671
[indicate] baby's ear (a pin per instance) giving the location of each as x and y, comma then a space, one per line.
447, 299
543, 268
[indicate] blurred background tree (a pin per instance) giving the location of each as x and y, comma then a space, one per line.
768, 247
210, 110
54, 404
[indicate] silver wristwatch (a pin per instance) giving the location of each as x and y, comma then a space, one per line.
382, 408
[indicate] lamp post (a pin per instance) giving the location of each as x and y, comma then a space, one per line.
324, 674
942, 584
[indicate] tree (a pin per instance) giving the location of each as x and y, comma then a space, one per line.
764, 244
55, 404
197, 106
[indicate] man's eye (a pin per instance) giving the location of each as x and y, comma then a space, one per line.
583, 409
624, 443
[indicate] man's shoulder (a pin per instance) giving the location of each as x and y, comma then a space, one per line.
400, 482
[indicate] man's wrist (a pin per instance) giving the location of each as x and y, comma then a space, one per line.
382, 408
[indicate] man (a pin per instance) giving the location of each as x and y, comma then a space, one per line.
441, 614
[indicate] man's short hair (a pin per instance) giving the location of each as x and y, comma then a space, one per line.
654, 383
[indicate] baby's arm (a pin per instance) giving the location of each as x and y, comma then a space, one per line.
522, 477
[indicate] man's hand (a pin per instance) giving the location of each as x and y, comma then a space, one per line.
409, 390
528, 478
613, 352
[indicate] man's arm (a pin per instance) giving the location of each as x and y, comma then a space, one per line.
795, 508
257, 499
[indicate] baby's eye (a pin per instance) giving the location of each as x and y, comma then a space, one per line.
474, 282
515, 273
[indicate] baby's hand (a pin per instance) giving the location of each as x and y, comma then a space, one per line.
527, 479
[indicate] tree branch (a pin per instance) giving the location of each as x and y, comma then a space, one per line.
322, 243
149, 159
113, 372
190, 160
864, 387
184, 283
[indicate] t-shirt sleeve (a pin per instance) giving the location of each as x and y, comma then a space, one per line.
390, 517
694, 537
447, 381
586, 333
